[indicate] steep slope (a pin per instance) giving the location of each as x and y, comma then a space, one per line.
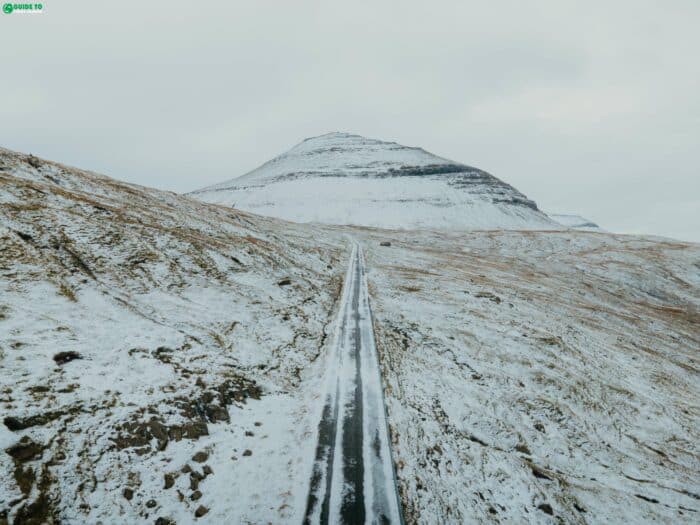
341, 178
157, 354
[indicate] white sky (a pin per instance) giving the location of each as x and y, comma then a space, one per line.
586, 107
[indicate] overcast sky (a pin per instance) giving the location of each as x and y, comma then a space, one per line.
586, 107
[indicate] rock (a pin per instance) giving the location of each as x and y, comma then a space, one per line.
128, 494
284, 282
646, 498
195, 430
25, 450
192, 430
151, 503
247, 452
62, 358
195, 478
201, 511
539, 473
200, 457
33, 161
165, 521
385, 243
38, 389
258, 424
207, 470
196, 495
546, 508
186, 469
169, 481
158, 430
25, 478
488, 295
217, 413
249, 433
523, 449
133, 434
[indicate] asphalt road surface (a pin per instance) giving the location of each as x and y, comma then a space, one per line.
353, 478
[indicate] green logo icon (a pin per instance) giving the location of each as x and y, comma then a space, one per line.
7, 8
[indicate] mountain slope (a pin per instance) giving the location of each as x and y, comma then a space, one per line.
341, 178
540, 377
163, 359
139, 330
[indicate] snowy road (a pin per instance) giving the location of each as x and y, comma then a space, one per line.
353, 478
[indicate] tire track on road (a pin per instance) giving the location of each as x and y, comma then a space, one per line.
353, 476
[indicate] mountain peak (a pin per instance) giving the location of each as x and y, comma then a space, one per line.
345, 178
343, 154
334, 134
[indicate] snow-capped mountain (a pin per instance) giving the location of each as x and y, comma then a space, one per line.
340, 178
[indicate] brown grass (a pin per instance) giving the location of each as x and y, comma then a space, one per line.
67, 292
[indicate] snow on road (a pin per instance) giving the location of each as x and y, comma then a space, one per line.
353, 477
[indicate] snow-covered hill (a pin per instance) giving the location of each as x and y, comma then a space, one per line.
575, 222
162, 360
159, 356
339, 178
540, 377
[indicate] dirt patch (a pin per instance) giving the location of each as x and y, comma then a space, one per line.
210, 407
21, 423
42, 509
22, 452
25, 450
62, 358
488, 295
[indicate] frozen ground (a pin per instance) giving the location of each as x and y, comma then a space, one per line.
196, 333
540, 377
164, 360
